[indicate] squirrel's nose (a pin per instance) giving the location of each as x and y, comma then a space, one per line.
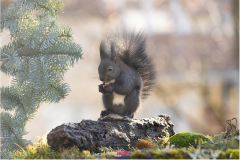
101, 78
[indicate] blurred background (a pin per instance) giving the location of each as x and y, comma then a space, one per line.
194, 44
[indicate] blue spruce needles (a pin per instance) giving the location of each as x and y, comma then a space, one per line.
37, 57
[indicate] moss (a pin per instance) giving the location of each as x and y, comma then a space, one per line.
38, 150
170, 154
187, 139
232, 153
71, 153
86, 153
229, 154
157, 155
138, 155
177, 154
143, 144
222, 155
103, 154
41, 150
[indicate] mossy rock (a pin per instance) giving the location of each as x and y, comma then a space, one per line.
187, 139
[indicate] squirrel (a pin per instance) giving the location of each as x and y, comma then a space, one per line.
127, 73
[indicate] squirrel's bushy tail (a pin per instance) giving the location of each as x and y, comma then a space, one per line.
131, 47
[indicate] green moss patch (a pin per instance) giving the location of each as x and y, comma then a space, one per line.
138, 155
41, 150
232, 153
229, 154
187, 139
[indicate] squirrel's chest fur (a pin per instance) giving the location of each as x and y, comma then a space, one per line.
118, 98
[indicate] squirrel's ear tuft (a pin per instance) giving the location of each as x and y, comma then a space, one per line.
103, 53
114, 56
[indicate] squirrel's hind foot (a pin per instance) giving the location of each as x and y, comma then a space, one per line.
128, 115
104, 113
125, 115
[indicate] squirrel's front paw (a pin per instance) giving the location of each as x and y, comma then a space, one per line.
101, 89
105, 88
108, 88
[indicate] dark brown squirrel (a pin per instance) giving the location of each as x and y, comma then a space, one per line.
126, 71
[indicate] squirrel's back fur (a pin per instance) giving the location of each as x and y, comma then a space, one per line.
131, 48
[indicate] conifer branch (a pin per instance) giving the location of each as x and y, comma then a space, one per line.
38, 55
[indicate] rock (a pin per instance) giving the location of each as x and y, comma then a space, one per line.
110, 131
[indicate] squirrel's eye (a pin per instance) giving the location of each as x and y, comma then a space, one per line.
110, 68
